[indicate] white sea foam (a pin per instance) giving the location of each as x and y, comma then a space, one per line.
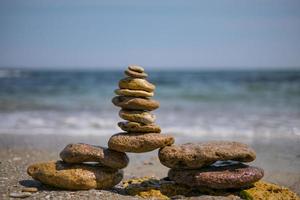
56, 122
218, 104
218, 126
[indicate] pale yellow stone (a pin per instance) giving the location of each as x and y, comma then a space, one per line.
136, 84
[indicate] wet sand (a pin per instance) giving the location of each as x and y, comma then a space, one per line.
279, 157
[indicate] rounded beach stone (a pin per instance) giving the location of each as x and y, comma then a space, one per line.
30, 189
134, 74
136, 68
137, 116
75, 176
20, 195
136, 84
133, 103
139, 142
79, 153
218, 177
133, 93
134, 127
195, 155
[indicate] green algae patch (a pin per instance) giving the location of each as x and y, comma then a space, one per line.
145, 187
150, 187
268, 191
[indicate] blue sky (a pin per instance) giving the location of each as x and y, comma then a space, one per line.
159, 34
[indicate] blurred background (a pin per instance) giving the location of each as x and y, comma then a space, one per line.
225, 70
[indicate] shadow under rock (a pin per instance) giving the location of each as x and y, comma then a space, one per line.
42, 187
38, 185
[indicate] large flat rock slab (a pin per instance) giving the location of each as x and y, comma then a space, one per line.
196, 155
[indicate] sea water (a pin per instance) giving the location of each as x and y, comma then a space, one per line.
192, 102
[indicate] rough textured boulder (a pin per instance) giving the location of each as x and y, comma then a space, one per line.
75, 176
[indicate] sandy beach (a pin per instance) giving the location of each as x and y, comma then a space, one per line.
278, 157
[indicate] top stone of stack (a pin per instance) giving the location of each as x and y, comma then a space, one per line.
136, 68
136, 71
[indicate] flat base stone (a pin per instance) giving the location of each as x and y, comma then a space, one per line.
218, 177
75, 176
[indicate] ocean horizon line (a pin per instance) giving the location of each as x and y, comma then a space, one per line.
151, 69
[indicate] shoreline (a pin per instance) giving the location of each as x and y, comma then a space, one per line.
278, 157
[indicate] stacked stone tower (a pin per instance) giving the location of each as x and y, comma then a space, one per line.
134, 97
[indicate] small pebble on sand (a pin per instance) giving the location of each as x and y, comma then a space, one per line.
29, 189
20, 194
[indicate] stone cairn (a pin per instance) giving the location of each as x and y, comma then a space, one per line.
214, 165
141, 133
211, 165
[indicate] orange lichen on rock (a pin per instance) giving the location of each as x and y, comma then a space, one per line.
264, 191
